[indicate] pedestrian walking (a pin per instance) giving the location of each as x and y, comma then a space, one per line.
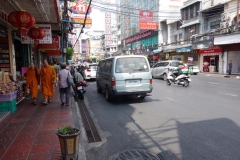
64, 88
48, 78
32, 81
230, 67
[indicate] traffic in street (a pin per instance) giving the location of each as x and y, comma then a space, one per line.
200, 121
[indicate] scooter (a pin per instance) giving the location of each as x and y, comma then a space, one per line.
80, 89
183, 79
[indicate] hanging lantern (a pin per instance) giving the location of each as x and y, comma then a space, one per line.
21, 20
36, 33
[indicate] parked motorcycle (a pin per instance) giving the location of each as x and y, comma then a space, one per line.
184, 80
80, 89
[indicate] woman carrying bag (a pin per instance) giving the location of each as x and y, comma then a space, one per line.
64, 81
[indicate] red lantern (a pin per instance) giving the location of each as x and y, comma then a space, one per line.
21, 20
36, 33
155, 57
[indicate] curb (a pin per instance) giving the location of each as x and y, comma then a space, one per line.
83, 138
221, 75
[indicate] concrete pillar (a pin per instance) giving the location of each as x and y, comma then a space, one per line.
11, 54
169, 33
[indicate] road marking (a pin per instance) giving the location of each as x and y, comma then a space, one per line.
233, 95
170, 99
213, 83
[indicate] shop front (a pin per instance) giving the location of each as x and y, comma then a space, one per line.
211, 60
231, 48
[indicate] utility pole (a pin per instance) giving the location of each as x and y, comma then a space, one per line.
64, 32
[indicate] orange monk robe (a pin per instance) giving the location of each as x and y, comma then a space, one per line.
32, 82
47, 75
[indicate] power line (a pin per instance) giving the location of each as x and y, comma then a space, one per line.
86, 14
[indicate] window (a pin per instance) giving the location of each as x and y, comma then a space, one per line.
174, 64
108, 66
197, 9
215, 24
134, 64
175, 38
165, 64
180, 37
191, 11
101, 66
178, 25
161, 64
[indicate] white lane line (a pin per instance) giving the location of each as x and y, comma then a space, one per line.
170, 99
229, 94
213, 83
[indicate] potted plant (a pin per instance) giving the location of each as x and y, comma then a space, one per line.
69, 142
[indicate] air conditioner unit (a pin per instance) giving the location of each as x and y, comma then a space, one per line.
204, 38
224, 31
225, 17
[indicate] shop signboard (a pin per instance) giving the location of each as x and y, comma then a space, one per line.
148, 25
145, 16
140, 36
184, 49
202, 44
213, 51
190, 58
81, 20
55, 45
53, 52
46, 40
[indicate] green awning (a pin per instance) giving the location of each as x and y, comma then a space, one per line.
157, 51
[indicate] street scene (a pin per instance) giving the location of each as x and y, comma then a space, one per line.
119, 79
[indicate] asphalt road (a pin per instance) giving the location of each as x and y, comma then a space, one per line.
201, 121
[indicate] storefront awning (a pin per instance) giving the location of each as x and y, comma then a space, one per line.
184, 49
190, 23
157, 51
228, 39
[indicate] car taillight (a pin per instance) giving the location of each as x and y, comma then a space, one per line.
150, 81
89, 70
113, 81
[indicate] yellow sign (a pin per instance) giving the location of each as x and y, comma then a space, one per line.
81, 20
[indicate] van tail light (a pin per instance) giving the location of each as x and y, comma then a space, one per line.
113, 81
150, 81
88, 70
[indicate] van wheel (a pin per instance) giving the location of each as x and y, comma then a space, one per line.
165, 77
99, 90
107, 95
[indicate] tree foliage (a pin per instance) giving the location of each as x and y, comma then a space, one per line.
69, 53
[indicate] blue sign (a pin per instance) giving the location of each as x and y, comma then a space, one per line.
184, 49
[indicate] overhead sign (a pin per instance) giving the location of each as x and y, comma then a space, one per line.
46, 40
210, 51
54, 46
190, 58
53, 52
145, 16
148, 25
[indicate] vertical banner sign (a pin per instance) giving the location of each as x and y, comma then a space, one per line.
108, 36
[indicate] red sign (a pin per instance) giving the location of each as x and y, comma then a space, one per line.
145, 16
138, 37
54, 46
209, 51
54, 53
148, 25
81, 6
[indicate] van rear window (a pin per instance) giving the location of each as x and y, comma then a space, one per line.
131, 64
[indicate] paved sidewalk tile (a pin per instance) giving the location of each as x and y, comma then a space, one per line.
29, 133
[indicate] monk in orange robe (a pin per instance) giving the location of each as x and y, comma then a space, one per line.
32, 77
48, 78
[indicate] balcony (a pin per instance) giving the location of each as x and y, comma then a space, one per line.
190, 2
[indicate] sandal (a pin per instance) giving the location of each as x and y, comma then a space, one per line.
45, 103
49, 101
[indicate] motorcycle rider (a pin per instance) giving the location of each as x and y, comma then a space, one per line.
182, 69
78, 76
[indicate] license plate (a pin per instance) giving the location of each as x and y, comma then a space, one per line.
80, 87
133, 82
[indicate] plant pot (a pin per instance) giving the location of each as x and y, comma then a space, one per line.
69, 145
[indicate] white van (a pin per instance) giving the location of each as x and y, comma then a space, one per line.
124, 75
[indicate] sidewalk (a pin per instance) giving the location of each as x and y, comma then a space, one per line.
220, 75
29, 133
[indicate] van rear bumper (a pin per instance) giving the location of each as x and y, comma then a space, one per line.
116, 93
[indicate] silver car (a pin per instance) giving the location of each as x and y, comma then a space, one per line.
124, 75
160, 69
90, 72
